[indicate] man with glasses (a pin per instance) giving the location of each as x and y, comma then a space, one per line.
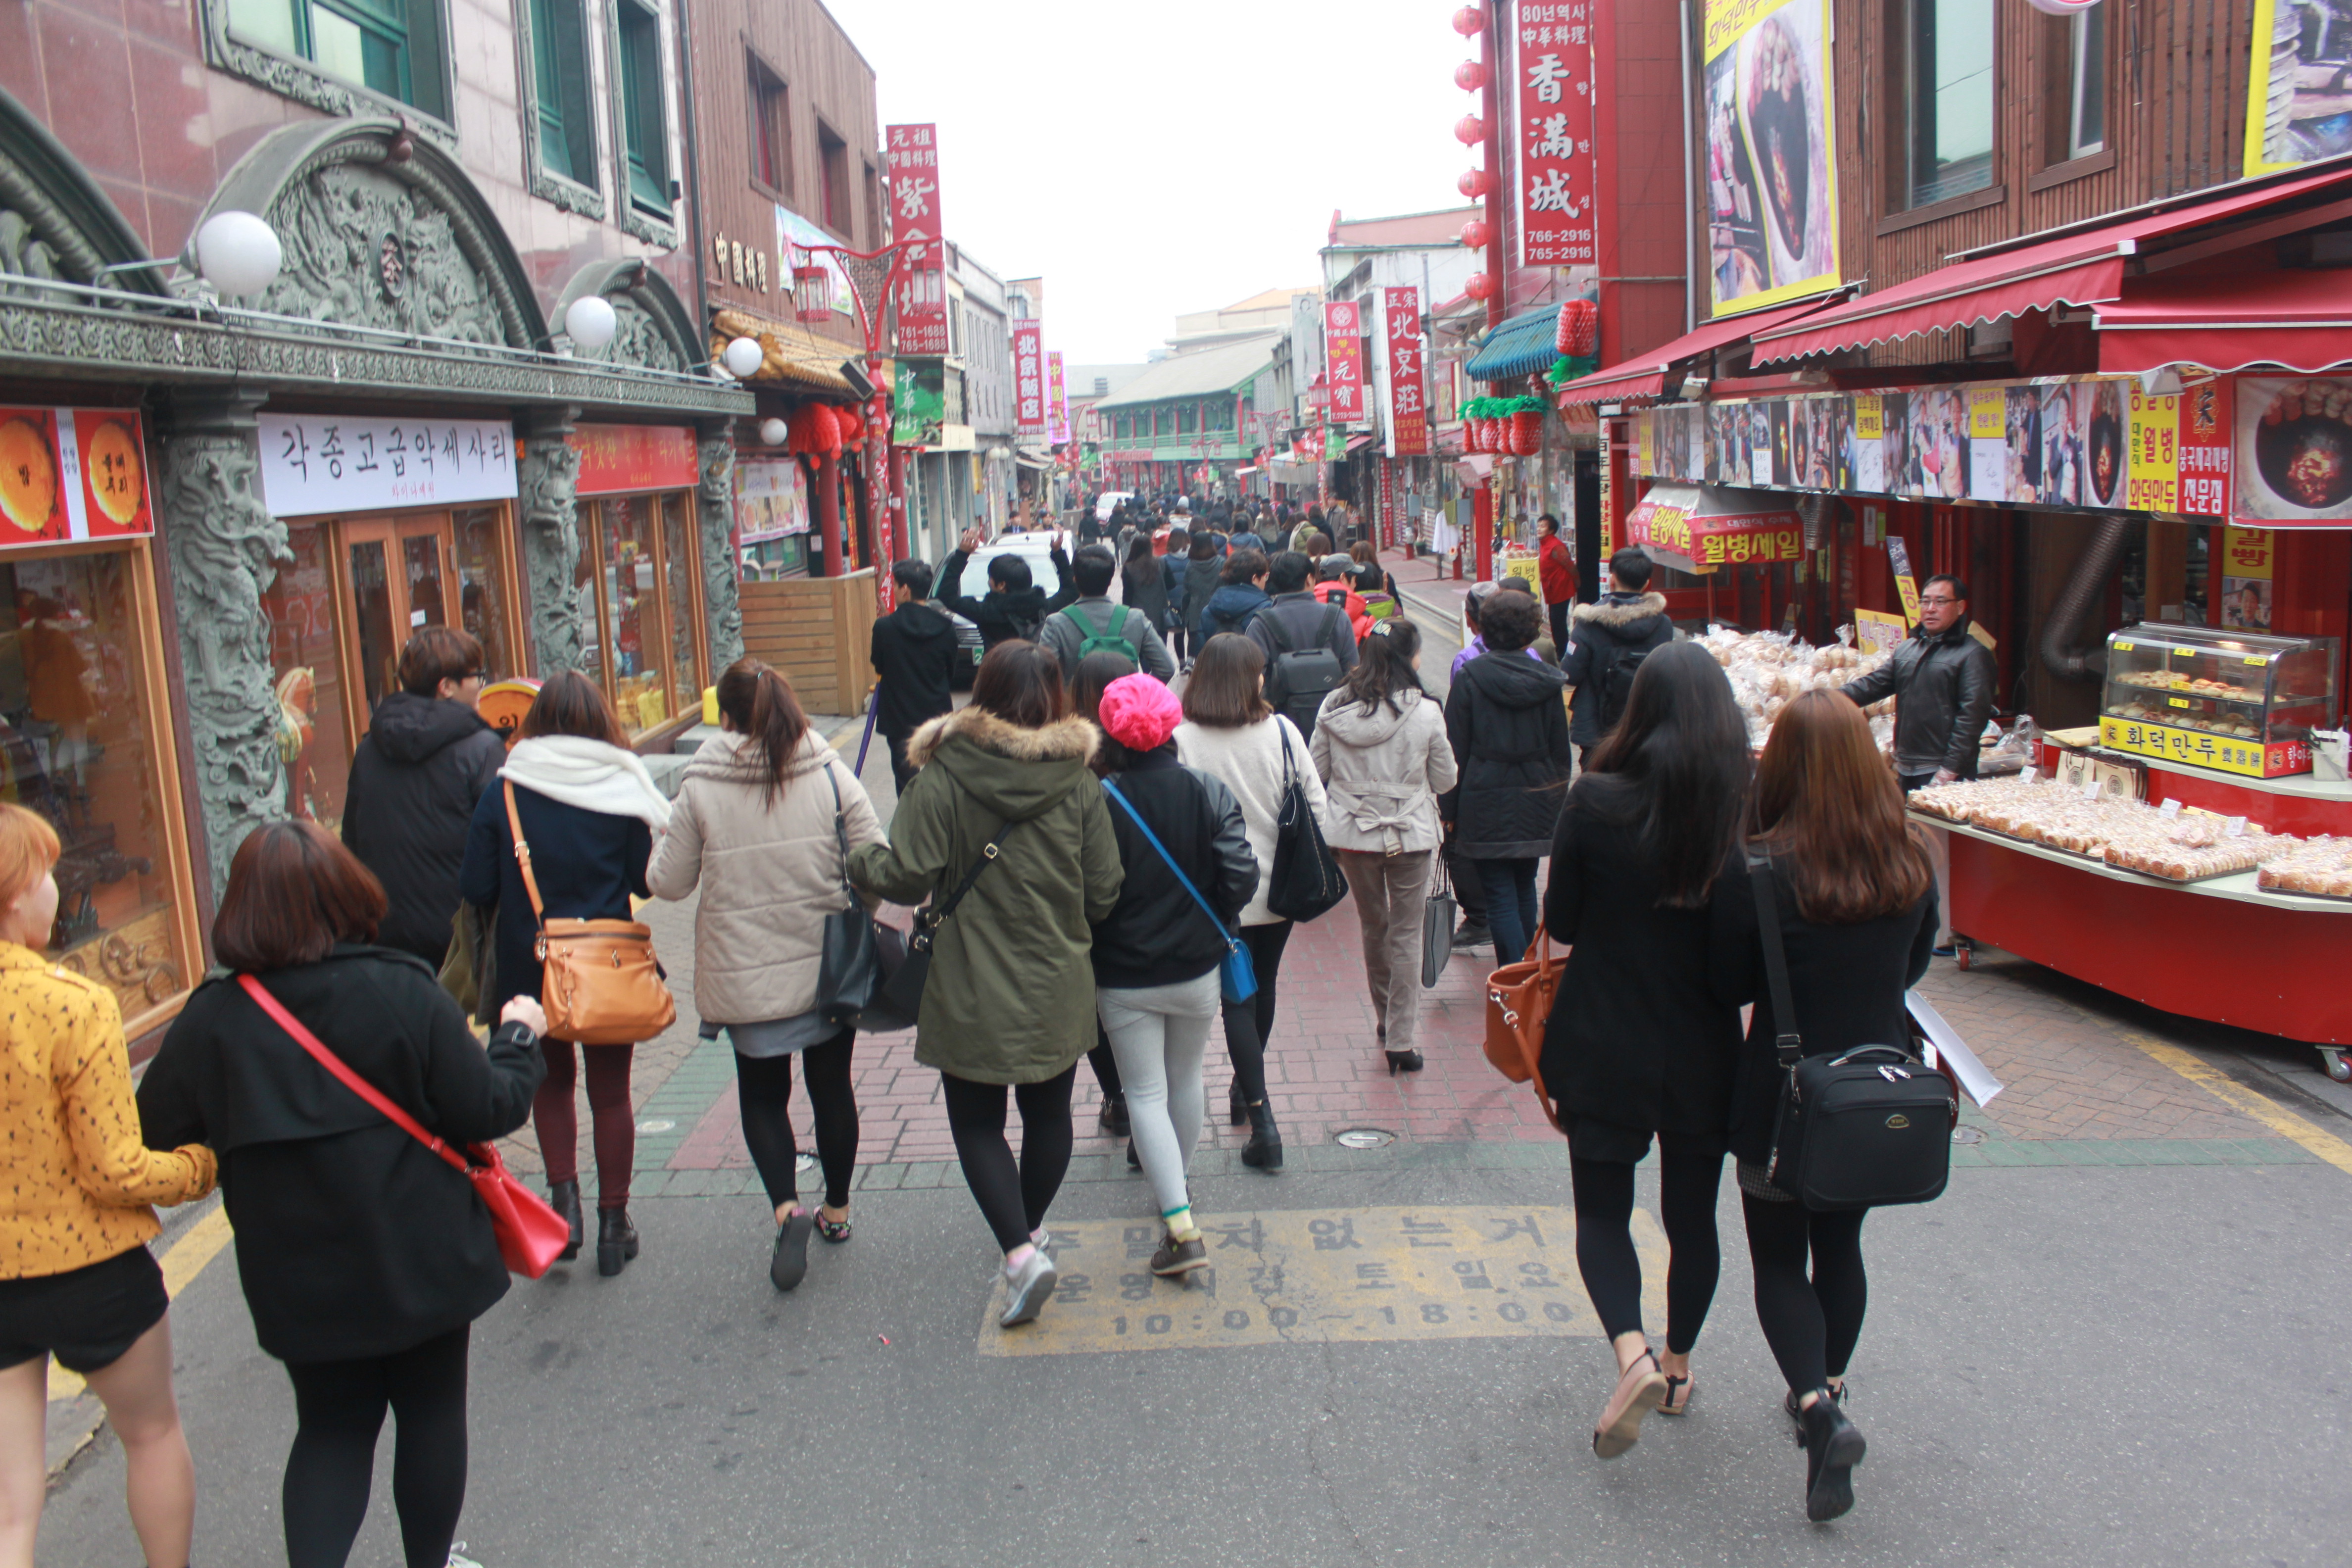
1942, 681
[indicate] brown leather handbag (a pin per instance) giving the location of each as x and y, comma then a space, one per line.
1520, 998
602, 986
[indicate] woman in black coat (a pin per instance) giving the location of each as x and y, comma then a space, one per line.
1637, 1047
364, 1257
1145, 589
1855, 895
1509, 732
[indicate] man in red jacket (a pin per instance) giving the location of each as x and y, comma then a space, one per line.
1557, 569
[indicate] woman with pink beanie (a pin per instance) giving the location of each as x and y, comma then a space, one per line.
1188, 871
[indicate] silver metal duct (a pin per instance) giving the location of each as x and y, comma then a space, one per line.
2092, 570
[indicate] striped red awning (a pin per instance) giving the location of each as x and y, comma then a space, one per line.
2292, 318
1644, 375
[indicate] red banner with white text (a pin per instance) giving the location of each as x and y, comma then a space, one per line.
914, 162
1343, 355
1551, 104
1029, 378
1408, 374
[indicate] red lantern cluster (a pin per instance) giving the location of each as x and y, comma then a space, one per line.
1578, 332
812, 431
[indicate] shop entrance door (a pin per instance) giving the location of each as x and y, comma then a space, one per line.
399, 569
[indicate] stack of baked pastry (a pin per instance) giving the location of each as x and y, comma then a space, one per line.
2317, 865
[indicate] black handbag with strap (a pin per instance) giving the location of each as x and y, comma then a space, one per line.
1866, 1129
902, 987
849, 967
1306, 881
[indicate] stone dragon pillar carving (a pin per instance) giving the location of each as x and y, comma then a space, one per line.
548, 484
715, 518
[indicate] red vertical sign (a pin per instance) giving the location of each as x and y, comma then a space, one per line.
1343, 354
2205, 410
914, 159
1028, 377
1408, 399
1553, 104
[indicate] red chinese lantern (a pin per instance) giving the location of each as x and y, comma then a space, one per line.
1578, 332
1470, 131
1475, 183
1475, 234
852, 427
1480, 285
1470, 76
1470, 21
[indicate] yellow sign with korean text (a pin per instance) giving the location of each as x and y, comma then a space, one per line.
2192, 746
1869, 416
1876, 631
1988, 414
2153, 470
1771, 150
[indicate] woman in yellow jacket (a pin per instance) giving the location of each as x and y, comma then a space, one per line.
76, 1188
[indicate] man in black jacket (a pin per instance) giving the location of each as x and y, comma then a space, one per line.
915, 652
1942, 681
1608, 641
1013, 606
1297, 622
414, 779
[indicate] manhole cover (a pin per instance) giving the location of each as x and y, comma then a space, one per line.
656, 1126
1363, 1138
1967, 1134
804, 1163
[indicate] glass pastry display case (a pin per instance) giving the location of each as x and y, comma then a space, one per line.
2238, 702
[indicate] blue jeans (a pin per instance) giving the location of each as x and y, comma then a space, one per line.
1510, 886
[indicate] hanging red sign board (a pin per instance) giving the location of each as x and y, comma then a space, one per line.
615, 459
1343, 352
914, 162
1408, 374
1029, 377
1552, 105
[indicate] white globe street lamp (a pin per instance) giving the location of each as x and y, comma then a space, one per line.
590, 322
742, 358
238, 254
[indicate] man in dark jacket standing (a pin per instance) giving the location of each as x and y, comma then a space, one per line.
915, 652
1625, 624
1942, 681
424, 763
1013, 606
1510, 740
1297, 622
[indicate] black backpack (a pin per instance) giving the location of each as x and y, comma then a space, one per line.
1298, 679
1614, 682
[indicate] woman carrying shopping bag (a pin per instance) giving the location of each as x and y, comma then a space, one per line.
760, 825
1381, 751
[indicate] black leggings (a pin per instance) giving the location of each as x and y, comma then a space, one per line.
338, 1407
1106, 1064
1249, 1025
1690, 1170
1013, 1198
763, 1089
1811, 1324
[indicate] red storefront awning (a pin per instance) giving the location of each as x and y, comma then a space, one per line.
1698, 528
1644, 375
2293, 317
2082, 268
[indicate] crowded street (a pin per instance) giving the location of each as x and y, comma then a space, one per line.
1547, 782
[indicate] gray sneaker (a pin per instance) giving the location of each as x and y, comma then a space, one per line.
1025, 1293
1178, 1256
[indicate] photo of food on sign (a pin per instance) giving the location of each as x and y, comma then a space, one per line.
2105, 450
1780, 100
2293, 448
30, 496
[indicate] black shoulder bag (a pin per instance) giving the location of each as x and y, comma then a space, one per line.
1863, 1130
902, 987
1306, 880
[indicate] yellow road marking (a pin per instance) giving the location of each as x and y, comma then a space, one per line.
1324, 1276
2271, 1114
198, 1246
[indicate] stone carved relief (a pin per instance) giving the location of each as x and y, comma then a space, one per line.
224, 551
549, 482
715, 517
639, 339
365, 248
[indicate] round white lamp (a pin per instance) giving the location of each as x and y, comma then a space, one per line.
238, 253
773, 432
743, 357
591, 323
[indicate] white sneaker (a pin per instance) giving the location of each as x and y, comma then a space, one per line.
1025, 1291
457, 1558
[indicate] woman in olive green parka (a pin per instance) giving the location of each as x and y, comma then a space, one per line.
1010, 1000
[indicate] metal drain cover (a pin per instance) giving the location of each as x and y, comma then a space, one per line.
1363, 1138
658, 1126
1967, 1134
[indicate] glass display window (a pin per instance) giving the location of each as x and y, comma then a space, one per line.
2240, 702
641, 573
485, 590
306, 667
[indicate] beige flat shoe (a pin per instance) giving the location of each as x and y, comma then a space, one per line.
1639, 1390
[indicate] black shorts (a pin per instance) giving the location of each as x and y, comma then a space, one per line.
87, 1317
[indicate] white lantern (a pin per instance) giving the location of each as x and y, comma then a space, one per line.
773, 432
743, 358
237, 253
591, 323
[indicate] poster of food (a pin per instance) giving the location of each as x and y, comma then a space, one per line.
772, 499
2299, 96
2104, 444
1770, 167
32, 497
2293, 456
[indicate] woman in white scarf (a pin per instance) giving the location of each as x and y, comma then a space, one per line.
589, 812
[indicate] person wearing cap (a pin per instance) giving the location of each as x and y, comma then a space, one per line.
1333, 587
1157, 954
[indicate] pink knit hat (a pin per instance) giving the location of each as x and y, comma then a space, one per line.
1139, 713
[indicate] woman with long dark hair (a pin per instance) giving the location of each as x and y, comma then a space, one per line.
1638, 1048
755, 828
1011, 809
1856, 896
1380, 747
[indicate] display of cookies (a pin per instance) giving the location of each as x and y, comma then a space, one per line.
29, 474
116, 471
2317, 868
2128, 834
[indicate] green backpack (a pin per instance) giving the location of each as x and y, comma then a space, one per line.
1098, 641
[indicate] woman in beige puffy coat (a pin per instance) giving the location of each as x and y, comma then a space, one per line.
1381, 748
754, 826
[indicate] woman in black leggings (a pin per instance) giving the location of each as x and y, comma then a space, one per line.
1637, 1047
1854, 893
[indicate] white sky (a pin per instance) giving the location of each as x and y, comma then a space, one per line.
1151, 158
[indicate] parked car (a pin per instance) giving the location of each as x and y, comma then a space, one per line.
968, 643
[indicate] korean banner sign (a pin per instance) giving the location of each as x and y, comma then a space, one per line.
1553, 102
914, 155
1028, 378
1058, 409
1770, 167
1408, 374
1343, 352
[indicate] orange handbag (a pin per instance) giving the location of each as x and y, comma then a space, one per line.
1519, 999
600, 984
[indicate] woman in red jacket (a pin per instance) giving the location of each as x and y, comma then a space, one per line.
1557, 568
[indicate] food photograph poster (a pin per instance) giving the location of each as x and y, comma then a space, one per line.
1771, 180
2298, 99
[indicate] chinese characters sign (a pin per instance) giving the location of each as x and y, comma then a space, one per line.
1407, 375
1343, 354
1553, 104
1057, 409
618, 459
1028, 378
72, 473
314, 463
914, 162
1712, 529
1770, 167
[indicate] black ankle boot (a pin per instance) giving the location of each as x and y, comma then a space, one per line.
1834, 1446
1264, 1150
564, 1197
617, 1241
1113, 1115
1237, 1107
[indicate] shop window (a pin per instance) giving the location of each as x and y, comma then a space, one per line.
389, 46
1948, 97
639, 577
686, 662
1188, 418
559, 66
832, 169
2087, 117
644, 118
77, 744
482, 590
306, 667
771, 130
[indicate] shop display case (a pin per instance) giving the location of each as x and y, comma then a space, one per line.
2238, 702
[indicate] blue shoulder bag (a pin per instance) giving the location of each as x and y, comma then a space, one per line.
1236, 976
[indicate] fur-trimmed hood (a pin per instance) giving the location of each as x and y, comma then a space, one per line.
1623, 609
1015, 773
